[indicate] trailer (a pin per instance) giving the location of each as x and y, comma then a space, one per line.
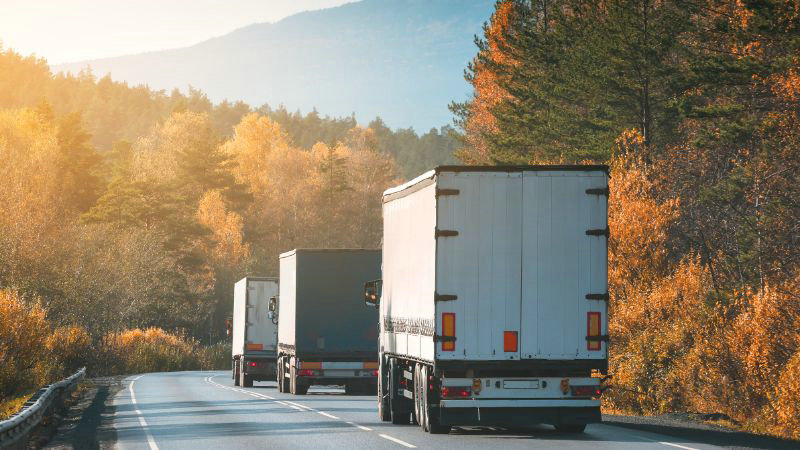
255, 333
494, 297
324, 338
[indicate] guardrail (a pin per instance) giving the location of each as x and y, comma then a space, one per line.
15, 431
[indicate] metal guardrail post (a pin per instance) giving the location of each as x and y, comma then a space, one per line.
16, 430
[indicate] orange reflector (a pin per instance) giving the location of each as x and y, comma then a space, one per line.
509, 341
448, 330
254, 347
593, 329
311, 365
370, 365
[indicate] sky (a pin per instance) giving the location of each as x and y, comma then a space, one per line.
74, 30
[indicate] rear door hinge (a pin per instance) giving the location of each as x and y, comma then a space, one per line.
599, 191
443, 191
603, 297
437, 338
446, 233
598, 232
602, 338
444, 297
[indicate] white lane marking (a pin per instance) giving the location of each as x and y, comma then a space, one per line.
361, 427
150, 441
330, 416
669, 443
398, 441
301, 407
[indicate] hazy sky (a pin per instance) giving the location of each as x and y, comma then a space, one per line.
73, 30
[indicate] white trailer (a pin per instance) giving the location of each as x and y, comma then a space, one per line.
493, 302
255, 334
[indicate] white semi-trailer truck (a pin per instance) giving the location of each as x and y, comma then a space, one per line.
493, 299
255, 333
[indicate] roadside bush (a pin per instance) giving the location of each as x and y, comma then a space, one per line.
151, 350
217, 356
23, 334
71, 348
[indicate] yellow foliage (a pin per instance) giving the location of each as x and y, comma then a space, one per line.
228, 250
150, 350
23, 333
72, 348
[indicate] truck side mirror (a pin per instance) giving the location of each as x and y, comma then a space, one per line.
272, 309
372, 292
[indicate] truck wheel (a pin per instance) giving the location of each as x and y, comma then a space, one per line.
279, 375
399, 417
350, 389
431, 421
301, 388
245, 380
417, 417
236, 373
284, 380
384, 412
571, 428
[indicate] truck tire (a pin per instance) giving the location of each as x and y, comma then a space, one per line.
351, 389
571, 428
284, 379
296, 385
399, 416
431, 421
236, 372
245, 380
384, 412
418, 386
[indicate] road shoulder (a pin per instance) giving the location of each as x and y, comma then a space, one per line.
88, 424
693, 431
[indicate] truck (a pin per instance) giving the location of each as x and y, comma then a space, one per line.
494, 297
254, 332
324, 338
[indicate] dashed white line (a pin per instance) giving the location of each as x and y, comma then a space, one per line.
150, 441
397, 441
669, 444
360, 427
330, 416
301, 407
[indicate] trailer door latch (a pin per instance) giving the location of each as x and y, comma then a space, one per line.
444, 297
599, 191
443, 191
446, 233
598, 232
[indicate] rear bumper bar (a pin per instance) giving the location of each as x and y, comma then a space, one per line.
511, 403
519, 416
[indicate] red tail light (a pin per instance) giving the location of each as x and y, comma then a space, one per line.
306, 373
375, 373
586, 391
509, 341
456, 392
252, 364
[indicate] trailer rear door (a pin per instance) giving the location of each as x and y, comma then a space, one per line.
480, 265
561, 263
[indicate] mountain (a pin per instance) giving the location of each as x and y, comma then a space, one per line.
402, 60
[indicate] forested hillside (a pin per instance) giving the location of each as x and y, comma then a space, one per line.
695, 104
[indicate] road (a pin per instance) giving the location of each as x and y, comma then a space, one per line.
203, 410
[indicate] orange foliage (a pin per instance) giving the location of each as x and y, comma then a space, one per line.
72, 346
150, 350
228, 249
23, 333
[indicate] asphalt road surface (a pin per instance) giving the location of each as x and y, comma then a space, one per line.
203, 410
